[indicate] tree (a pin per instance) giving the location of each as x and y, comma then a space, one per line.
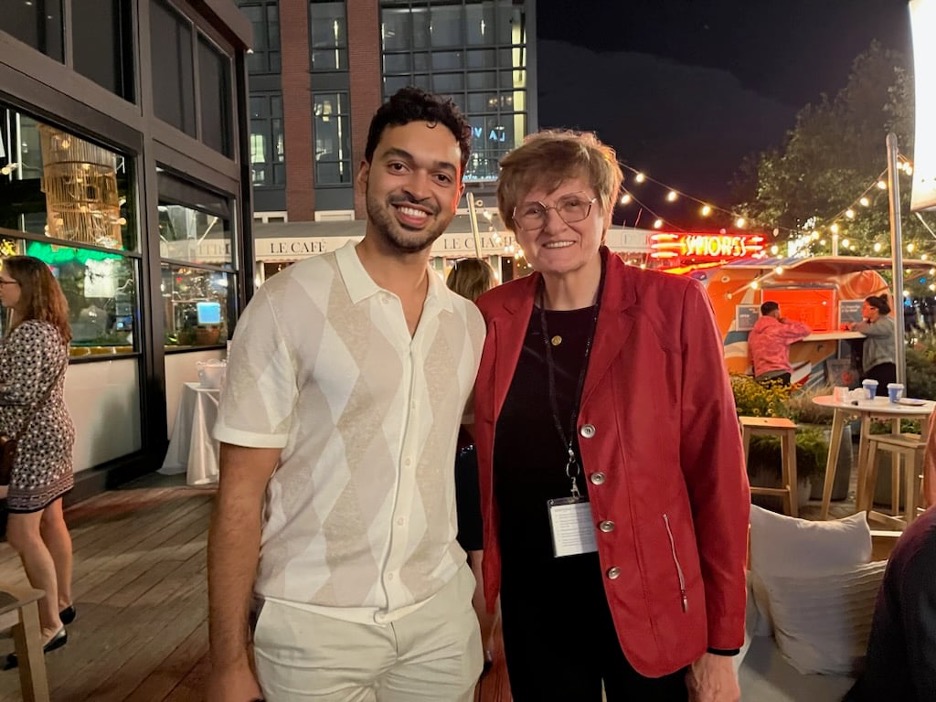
822, 182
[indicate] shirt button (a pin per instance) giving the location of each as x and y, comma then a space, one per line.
588, 431
406, 462
401, 521
597, 478
606, 526
390, 576
614, 573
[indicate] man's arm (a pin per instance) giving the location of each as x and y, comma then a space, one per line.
918, 612
233, 554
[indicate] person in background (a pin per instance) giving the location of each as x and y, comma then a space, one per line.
613, 486
878, 360
769, 344
470, 278
901, 660
33, 361
348, 379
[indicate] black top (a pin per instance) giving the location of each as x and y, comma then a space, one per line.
529, 456
901, 663
468, 494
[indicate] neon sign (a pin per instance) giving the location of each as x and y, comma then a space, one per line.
706, 246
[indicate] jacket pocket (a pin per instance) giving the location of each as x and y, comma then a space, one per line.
679, 570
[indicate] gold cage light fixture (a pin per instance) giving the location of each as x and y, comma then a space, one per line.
79, 180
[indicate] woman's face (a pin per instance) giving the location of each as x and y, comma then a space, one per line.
9, 290
559, 247
869, 312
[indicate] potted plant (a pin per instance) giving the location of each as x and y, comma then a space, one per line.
812, 417
753, 399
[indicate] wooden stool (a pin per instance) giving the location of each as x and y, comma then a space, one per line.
786, 430
910, 447
27, 638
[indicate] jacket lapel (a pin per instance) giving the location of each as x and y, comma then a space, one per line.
509, 330
615, 322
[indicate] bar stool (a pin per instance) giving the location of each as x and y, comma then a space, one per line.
27, 639
786, 430
910, 448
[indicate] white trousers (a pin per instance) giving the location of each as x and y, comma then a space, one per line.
431, 655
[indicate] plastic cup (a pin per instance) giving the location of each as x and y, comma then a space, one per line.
840, 394
895, 391
870, 387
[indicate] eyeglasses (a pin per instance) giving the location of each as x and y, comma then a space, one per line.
8, 282
531, 216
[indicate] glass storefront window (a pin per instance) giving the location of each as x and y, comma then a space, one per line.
102, 44
197, 305
173, 67
192, 236
101, 290
214, 85
57, 184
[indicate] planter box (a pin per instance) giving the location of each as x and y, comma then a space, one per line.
769, 476
843, 468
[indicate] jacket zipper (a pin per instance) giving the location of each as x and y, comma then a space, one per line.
679, 571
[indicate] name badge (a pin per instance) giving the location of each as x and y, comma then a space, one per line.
573, 532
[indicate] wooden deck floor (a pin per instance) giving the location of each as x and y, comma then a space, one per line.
140, 588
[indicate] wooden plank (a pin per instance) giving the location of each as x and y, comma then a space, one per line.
175, 667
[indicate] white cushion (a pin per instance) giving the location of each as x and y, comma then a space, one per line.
782, 545
822, 621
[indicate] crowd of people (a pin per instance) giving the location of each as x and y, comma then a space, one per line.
402, 459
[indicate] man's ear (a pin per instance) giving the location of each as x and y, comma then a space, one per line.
360, 181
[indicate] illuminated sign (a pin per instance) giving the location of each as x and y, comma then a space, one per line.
706, 246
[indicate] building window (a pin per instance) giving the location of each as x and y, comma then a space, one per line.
332, 138
471, 50
102, 44
214, 84
328, 36
264, 15
38, 24
267, 147
173, 68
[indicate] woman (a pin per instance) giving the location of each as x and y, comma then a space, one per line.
33, 359
878, 355
470, 278
613, 487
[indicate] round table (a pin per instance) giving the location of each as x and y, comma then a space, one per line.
866, 410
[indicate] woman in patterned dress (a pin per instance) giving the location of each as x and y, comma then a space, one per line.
33, 359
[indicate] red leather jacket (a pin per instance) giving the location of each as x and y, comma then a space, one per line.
662, 454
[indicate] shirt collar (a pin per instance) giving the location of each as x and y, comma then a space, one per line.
360, 285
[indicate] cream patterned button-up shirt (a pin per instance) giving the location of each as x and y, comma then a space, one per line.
359, 520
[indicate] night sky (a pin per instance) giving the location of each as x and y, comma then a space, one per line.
684, 89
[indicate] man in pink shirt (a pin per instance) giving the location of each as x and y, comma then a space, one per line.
769, 344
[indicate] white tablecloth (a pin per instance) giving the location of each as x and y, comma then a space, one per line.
191, 448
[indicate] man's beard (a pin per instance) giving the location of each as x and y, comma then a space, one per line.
400, 238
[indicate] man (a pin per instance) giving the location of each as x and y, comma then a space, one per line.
348, 377
901, 662
769, 344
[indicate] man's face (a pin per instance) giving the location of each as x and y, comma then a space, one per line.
412, 185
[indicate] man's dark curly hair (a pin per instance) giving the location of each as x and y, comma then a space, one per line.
416, 105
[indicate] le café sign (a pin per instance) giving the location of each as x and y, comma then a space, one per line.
705, 247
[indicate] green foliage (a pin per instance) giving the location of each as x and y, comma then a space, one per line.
753, 399
803, 410
811, 452
834, 152
921, 372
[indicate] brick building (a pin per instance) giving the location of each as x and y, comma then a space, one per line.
318, 72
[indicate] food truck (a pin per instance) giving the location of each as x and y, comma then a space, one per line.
823, 292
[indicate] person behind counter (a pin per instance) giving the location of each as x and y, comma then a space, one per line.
878, 356
613, 487
769, 344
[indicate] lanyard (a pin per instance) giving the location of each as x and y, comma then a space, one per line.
573, 464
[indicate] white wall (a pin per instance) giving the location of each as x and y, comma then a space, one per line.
103, 399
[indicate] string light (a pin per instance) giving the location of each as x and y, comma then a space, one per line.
658, 224
740, 223
672, 196
640, 178
865, 202
626, 199
706, 210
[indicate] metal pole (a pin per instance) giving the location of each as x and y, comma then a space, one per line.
893, 190
473, 218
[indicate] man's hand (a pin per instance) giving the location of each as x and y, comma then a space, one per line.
236, 683
712, 679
